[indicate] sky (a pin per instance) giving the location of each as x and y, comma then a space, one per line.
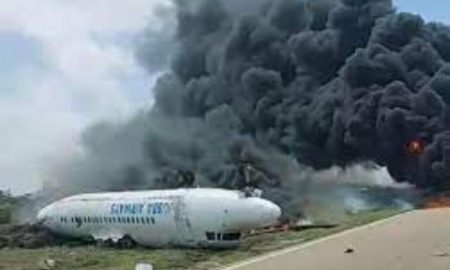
66, 64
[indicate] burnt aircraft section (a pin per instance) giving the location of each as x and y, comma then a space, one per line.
272, 84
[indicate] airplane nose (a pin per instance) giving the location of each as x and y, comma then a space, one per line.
43, 214
273, 212
270, 212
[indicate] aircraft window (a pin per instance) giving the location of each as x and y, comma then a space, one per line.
219, 236
147, 220
231, 236
61, 219
85, 219
142, 220
128, 220
132, 220
89, 219
72, 219
110, 220
105, 219
210, 236
153, 220
138, 220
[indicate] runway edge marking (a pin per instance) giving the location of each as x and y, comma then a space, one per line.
315, 242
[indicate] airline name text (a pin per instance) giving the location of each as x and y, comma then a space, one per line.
156, 208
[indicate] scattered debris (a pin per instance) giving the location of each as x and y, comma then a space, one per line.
441, 254
144, 266
349, 251
304, 224
47, 264
51, 263
308, 224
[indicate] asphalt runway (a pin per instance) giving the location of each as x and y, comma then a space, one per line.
417, 240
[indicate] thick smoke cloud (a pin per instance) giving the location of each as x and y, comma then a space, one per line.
275, 84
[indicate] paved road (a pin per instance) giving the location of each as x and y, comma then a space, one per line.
418, 240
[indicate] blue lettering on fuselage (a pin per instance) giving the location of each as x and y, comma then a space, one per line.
156, 208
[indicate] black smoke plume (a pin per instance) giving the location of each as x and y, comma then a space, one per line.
275, 84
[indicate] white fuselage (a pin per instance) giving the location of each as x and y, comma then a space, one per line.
182, 217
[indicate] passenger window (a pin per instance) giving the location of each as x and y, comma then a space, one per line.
132, 220
128, 220
231, 236
210, 236
142, 220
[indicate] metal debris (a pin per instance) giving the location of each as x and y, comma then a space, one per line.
349, 251
143, 266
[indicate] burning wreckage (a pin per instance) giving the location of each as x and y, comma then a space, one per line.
284, 86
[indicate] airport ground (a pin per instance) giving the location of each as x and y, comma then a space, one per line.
96, 258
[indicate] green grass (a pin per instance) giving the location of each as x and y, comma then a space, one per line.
94, 258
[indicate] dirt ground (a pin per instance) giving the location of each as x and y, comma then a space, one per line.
416, 240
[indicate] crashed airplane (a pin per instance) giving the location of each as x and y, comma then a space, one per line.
181, 217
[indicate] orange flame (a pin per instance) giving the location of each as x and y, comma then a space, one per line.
438, 202
415, 147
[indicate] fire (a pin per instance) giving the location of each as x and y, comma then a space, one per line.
415, 147
438, 202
